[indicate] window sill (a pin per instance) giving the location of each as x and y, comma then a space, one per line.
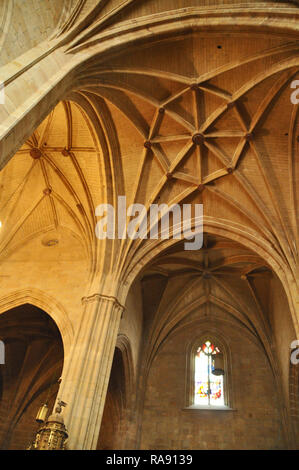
208, 408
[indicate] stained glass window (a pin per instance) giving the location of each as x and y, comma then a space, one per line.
208, 387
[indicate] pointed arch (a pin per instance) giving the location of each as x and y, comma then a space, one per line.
45, 302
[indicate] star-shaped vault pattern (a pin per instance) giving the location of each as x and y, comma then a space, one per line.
203, 139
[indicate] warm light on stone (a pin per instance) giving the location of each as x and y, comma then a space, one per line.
125, 105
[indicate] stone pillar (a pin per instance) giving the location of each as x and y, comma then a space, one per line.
86, 374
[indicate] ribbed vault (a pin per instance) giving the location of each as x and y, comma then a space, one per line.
181, 124
223, 285
161, 102
50, 189
222, 275
194, 126
17, 36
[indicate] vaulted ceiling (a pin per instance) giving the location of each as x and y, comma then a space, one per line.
18, 35
202, 115
222, 280
163, 102
209, 120
49, 190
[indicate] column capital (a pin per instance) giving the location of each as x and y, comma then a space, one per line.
98, 297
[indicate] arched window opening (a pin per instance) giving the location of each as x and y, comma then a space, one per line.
208, 373
208, 377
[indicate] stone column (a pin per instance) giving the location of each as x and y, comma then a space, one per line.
86, 374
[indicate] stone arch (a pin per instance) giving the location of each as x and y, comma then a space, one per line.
235, 232
172, 24
167, 329
30, 376
123, 344
114, 424
44, 22
45, 302
87, 133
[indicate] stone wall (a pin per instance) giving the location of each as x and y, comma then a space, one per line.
255, 421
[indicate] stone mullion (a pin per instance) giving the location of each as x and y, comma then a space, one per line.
85, 384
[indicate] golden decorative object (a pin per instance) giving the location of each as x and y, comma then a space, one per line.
42, 414
52, 435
